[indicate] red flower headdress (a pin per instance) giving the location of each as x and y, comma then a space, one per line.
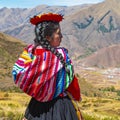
46, 17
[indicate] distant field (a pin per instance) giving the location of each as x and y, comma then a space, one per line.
101, 77
13, 105
95, 108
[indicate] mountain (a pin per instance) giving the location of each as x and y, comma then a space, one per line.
93, 28
14, 17
103, 58
85, 29
15, 21
10, 49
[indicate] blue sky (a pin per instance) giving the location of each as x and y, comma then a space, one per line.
34, 3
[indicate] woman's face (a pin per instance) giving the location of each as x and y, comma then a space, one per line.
56, 38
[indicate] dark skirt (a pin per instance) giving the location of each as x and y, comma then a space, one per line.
57, 109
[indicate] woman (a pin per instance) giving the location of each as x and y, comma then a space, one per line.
45, 72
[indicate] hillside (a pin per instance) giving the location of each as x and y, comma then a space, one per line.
10, 48
85, 29
103, 58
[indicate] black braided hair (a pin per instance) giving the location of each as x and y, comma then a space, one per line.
47, 29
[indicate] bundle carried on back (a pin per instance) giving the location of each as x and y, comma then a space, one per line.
40, 74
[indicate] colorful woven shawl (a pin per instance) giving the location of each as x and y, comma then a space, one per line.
41, 75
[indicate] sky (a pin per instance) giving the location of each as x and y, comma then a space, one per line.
34, 3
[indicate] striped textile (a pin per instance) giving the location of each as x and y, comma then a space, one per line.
40, 74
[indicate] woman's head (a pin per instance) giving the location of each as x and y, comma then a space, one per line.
47, 29
56, 38
48, 32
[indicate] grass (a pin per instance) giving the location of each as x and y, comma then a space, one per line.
93, 116
97, 108
13, 105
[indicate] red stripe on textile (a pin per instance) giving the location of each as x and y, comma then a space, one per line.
29, 74
51, 79
38, 83
17, 79
33, 85
48, 64
39, 89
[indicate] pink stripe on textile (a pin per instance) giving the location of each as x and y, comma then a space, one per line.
34, 79
52, 89
52, 80
33, 84
29, 75
20, 62
42, 71
49, 59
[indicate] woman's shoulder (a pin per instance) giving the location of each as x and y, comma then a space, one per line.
29, 47
63, 49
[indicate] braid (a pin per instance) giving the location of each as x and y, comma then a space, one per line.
41, 40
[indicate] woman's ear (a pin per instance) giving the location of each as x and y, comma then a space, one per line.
48, 38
